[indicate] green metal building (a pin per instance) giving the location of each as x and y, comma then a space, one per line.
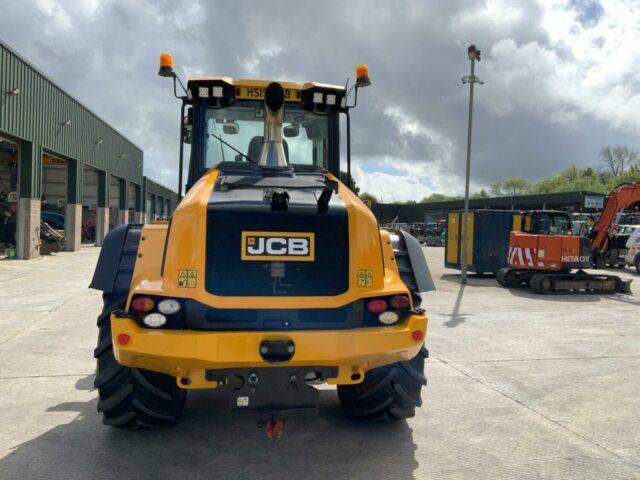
56, 155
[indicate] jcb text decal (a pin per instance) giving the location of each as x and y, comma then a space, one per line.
278, 246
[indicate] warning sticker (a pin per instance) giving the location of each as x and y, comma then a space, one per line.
187, 279
365, 278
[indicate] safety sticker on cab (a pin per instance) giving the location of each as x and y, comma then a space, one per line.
365, 278
187, 278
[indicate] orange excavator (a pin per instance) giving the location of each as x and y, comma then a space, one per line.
547, 258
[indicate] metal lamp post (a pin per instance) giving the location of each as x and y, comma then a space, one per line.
474, 54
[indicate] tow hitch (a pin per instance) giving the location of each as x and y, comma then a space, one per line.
271, 395
274, 428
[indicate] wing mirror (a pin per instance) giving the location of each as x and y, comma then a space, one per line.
292, 130
231, 128
187, 128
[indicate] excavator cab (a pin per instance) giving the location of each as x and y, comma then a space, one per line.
546, 222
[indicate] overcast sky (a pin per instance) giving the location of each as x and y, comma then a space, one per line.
562, 78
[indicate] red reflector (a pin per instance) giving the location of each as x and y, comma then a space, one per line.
143, 304
377, 305
123, 339
400, 302
417, 335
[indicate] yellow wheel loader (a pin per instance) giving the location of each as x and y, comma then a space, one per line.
270, 277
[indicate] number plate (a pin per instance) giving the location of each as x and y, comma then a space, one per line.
257, 93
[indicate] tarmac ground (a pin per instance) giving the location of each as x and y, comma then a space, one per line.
521, 386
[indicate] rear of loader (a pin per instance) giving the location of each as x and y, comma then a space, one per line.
271, 277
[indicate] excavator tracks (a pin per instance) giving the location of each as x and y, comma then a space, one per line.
579, 282
549, 283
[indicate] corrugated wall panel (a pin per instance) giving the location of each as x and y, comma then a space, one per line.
39, 110
160, 191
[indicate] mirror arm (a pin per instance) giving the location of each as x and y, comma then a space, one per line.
181, 162
355, 97
176, 80
348, 149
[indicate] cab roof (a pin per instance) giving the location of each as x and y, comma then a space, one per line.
245, 82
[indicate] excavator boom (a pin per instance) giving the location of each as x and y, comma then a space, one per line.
621, 197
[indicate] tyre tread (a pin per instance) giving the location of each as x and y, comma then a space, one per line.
130, 397
388, 393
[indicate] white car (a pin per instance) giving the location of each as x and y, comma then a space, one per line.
632, 255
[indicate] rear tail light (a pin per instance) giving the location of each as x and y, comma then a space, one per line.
143, 304
417, 335
400, 302
388, 318
155, 320
123, 339
377, 305
168, 306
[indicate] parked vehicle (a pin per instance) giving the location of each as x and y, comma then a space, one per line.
546, 258
54, 219
419, 230
7, 222
51, 241
398, 226
617, 252
632, 255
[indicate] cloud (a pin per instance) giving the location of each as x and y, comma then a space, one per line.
388, 187
560, 76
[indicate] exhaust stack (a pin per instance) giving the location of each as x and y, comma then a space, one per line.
272, 155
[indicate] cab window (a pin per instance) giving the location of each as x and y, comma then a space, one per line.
240, 127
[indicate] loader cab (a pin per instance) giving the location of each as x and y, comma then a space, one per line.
230, 127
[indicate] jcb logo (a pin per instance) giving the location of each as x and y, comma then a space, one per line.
278, 246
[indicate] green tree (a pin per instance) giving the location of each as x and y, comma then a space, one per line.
480, 194
617, 159
368, 198
344, 178
575, 179
510, 187
437, 197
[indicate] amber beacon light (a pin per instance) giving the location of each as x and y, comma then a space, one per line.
362, 76
166, 65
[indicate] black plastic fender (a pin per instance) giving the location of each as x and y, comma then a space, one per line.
419, 265
117, 259
412, 264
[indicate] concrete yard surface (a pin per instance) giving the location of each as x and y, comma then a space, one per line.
520, 387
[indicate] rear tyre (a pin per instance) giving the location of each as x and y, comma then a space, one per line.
131, 397
637, 262
387, 393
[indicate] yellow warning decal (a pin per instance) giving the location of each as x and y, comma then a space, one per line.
365, 278
187, 278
